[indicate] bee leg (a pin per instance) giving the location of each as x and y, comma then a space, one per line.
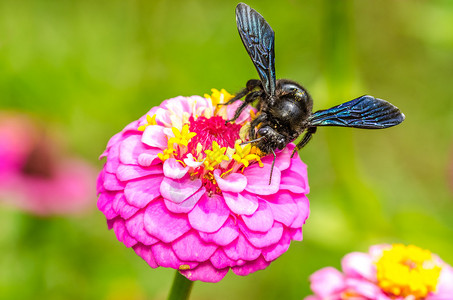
254, 83
249, 99
304, 140
259, 119
250, 86
238, 96
272, 167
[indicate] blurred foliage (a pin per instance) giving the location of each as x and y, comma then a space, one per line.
91, 67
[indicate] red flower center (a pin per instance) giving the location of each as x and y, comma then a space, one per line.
212, 129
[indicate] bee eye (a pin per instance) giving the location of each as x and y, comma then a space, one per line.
263, 131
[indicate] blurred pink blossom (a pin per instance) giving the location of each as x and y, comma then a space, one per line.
35, 176
180, 190
386, 272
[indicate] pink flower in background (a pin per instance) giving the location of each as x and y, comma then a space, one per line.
34, 176
180, 190
386, 272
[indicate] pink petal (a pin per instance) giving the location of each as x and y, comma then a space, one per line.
100, 182
191, 248
296, 234
130, 148
121, 233
165, 257
154, 136
141, 192
303, 211
250, 267
135, 227
293, 182
122, 207
295, 178
241, 249
258, 180
444, 285
105, 204
130, 172
359, 265
162, 116
312, 298
111, 182
113, 159
114, 140
225, 235
205, 272
283, 160
235, 182
283, 207
178, 190
209, 214
327, 282
261, 240
244, 116
164, 225
220, 260
241, 203
173, 169
261, 220
187, 205
148, 159
146, 254
273, 252
366, 289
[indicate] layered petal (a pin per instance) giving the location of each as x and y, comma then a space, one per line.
181, 190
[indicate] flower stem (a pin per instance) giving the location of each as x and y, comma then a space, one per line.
181, 288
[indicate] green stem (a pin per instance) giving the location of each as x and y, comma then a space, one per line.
181, 288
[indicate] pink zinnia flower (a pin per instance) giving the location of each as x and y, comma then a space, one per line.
386, 272
180, 190
35, 176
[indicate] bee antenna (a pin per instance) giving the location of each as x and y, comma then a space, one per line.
272, 167
252, 141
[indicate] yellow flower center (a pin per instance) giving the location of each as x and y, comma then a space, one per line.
407, 271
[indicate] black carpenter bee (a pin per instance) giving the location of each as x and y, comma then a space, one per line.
285, 107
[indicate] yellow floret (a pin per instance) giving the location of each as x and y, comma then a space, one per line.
183, 137
214, 156
244, 155
407, 271
150, 121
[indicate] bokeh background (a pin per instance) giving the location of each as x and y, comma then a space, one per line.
88, 68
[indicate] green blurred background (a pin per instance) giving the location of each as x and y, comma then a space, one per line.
91, 67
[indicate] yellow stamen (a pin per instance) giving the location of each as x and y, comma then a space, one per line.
149, 121
183, 137
407, 271
214, 156
167, 153
184, 267
225, 173
219, 97
181, 162
252, 114
244, 155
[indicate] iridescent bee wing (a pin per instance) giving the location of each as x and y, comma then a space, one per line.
258, 38
364, 112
